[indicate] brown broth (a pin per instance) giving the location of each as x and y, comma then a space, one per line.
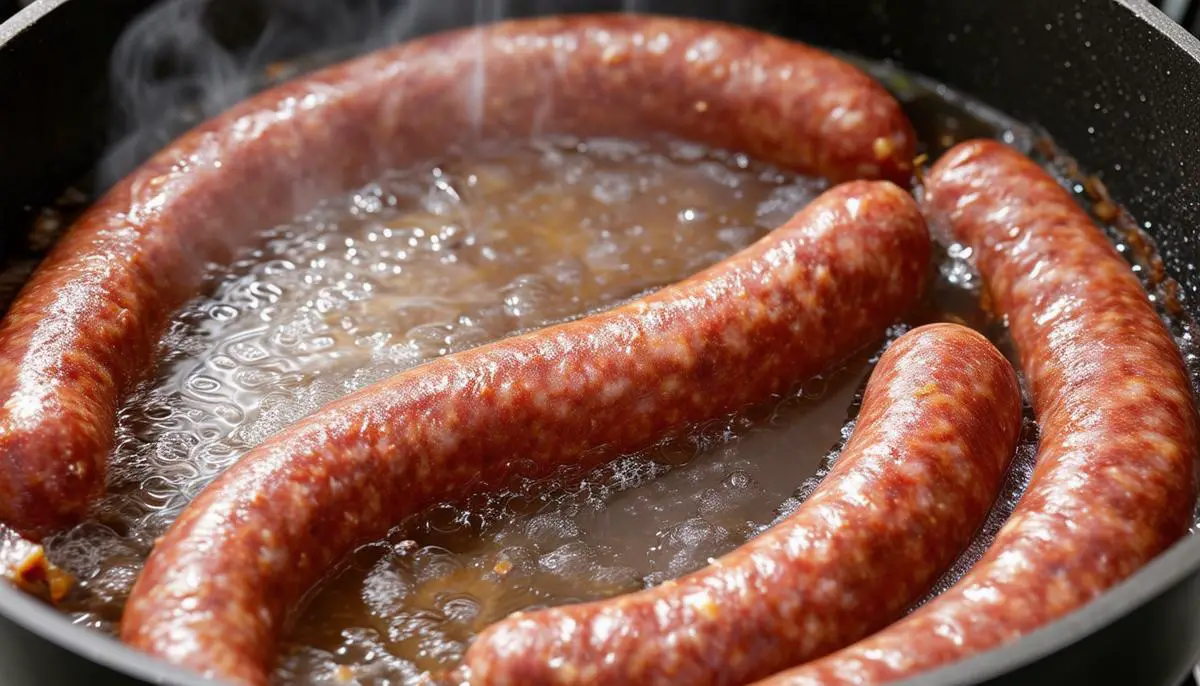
421, 263
471, 248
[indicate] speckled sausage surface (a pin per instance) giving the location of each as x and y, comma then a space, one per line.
85, 327
938, 426
1113, 485
215, 591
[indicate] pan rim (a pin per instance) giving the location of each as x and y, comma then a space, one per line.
1170, 569
1157, 578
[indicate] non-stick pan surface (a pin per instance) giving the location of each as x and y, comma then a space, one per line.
1115, 82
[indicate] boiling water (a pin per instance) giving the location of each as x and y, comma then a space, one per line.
435, 259
464, 250
443, 257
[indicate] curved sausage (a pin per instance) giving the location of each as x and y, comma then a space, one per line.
215, 590
938, 426
84, 329
1113, 484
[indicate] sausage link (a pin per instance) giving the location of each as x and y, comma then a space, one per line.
215, 590
1113, 484
84, 329
938, 426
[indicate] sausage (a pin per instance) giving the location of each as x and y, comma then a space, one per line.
1113, 484
938, 426
85, 327
215, 590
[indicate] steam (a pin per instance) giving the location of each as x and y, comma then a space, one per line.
175, 65
184, 61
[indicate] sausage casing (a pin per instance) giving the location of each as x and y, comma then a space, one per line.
215, 590
1113, 484
85, 327
938, 425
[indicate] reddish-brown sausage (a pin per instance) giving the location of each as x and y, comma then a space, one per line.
85, 327
1113, 485
215, 590
938, 425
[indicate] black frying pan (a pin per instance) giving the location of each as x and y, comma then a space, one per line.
1114, 81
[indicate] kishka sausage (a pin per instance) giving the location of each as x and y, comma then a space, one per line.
84, 329
215, 591
1113, 484
938, 426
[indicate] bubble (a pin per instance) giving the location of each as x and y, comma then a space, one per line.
571, 560
785, 201
526, 297
551, 529
689, 544
385, 589
720, 173
735, 490
737, 237
420, 263
612, 189
369, 200
462, 609
442, 199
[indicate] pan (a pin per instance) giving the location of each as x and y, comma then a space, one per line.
1115, 82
